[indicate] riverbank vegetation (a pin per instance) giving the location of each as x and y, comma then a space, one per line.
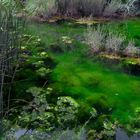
82, 8
73, 74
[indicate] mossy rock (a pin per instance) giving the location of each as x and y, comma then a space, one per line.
86, 22
131, 65
110, 59
128, 65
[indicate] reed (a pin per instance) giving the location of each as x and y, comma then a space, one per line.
9, 50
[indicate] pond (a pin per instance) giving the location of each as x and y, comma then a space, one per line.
92, 84
120, 135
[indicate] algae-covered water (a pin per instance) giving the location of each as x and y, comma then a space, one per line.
91, 83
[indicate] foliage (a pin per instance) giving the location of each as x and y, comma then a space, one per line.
134, 124
43, 71
77, 8
107, 133
10, 32
7, 4
41, 7
74, 134
39, 114
81, 8
95, 39
112, 7
101, 40
33, 66
66, 7
14, 6
131, 50
67, 39
67, 109
42, 112
114, 42
78, 133
92, 7
88, 7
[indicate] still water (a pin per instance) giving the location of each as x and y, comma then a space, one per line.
120, 134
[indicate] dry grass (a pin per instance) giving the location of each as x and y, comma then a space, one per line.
72, 8
112, 7
92, 7
94, 38
131, 50
45, 8
68, 7
87, 7
114, 43
102, 41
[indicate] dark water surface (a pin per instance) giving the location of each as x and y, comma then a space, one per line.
22, 132
120, 134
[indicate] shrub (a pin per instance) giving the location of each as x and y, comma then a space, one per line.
131, 50
99, 40
42, 114
94, 38
88, 7
114, 42
72, 7
92, 7
134, 123
66, 109
8, 5
68, 7
112, 7
41, 7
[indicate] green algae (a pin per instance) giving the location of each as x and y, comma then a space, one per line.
91, 83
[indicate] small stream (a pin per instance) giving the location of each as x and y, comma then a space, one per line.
120, 134
22, 132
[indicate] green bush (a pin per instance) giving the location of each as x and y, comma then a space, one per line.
103, 41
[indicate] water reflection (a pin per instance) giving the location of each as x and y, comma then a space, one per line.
22, 132
122, 135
